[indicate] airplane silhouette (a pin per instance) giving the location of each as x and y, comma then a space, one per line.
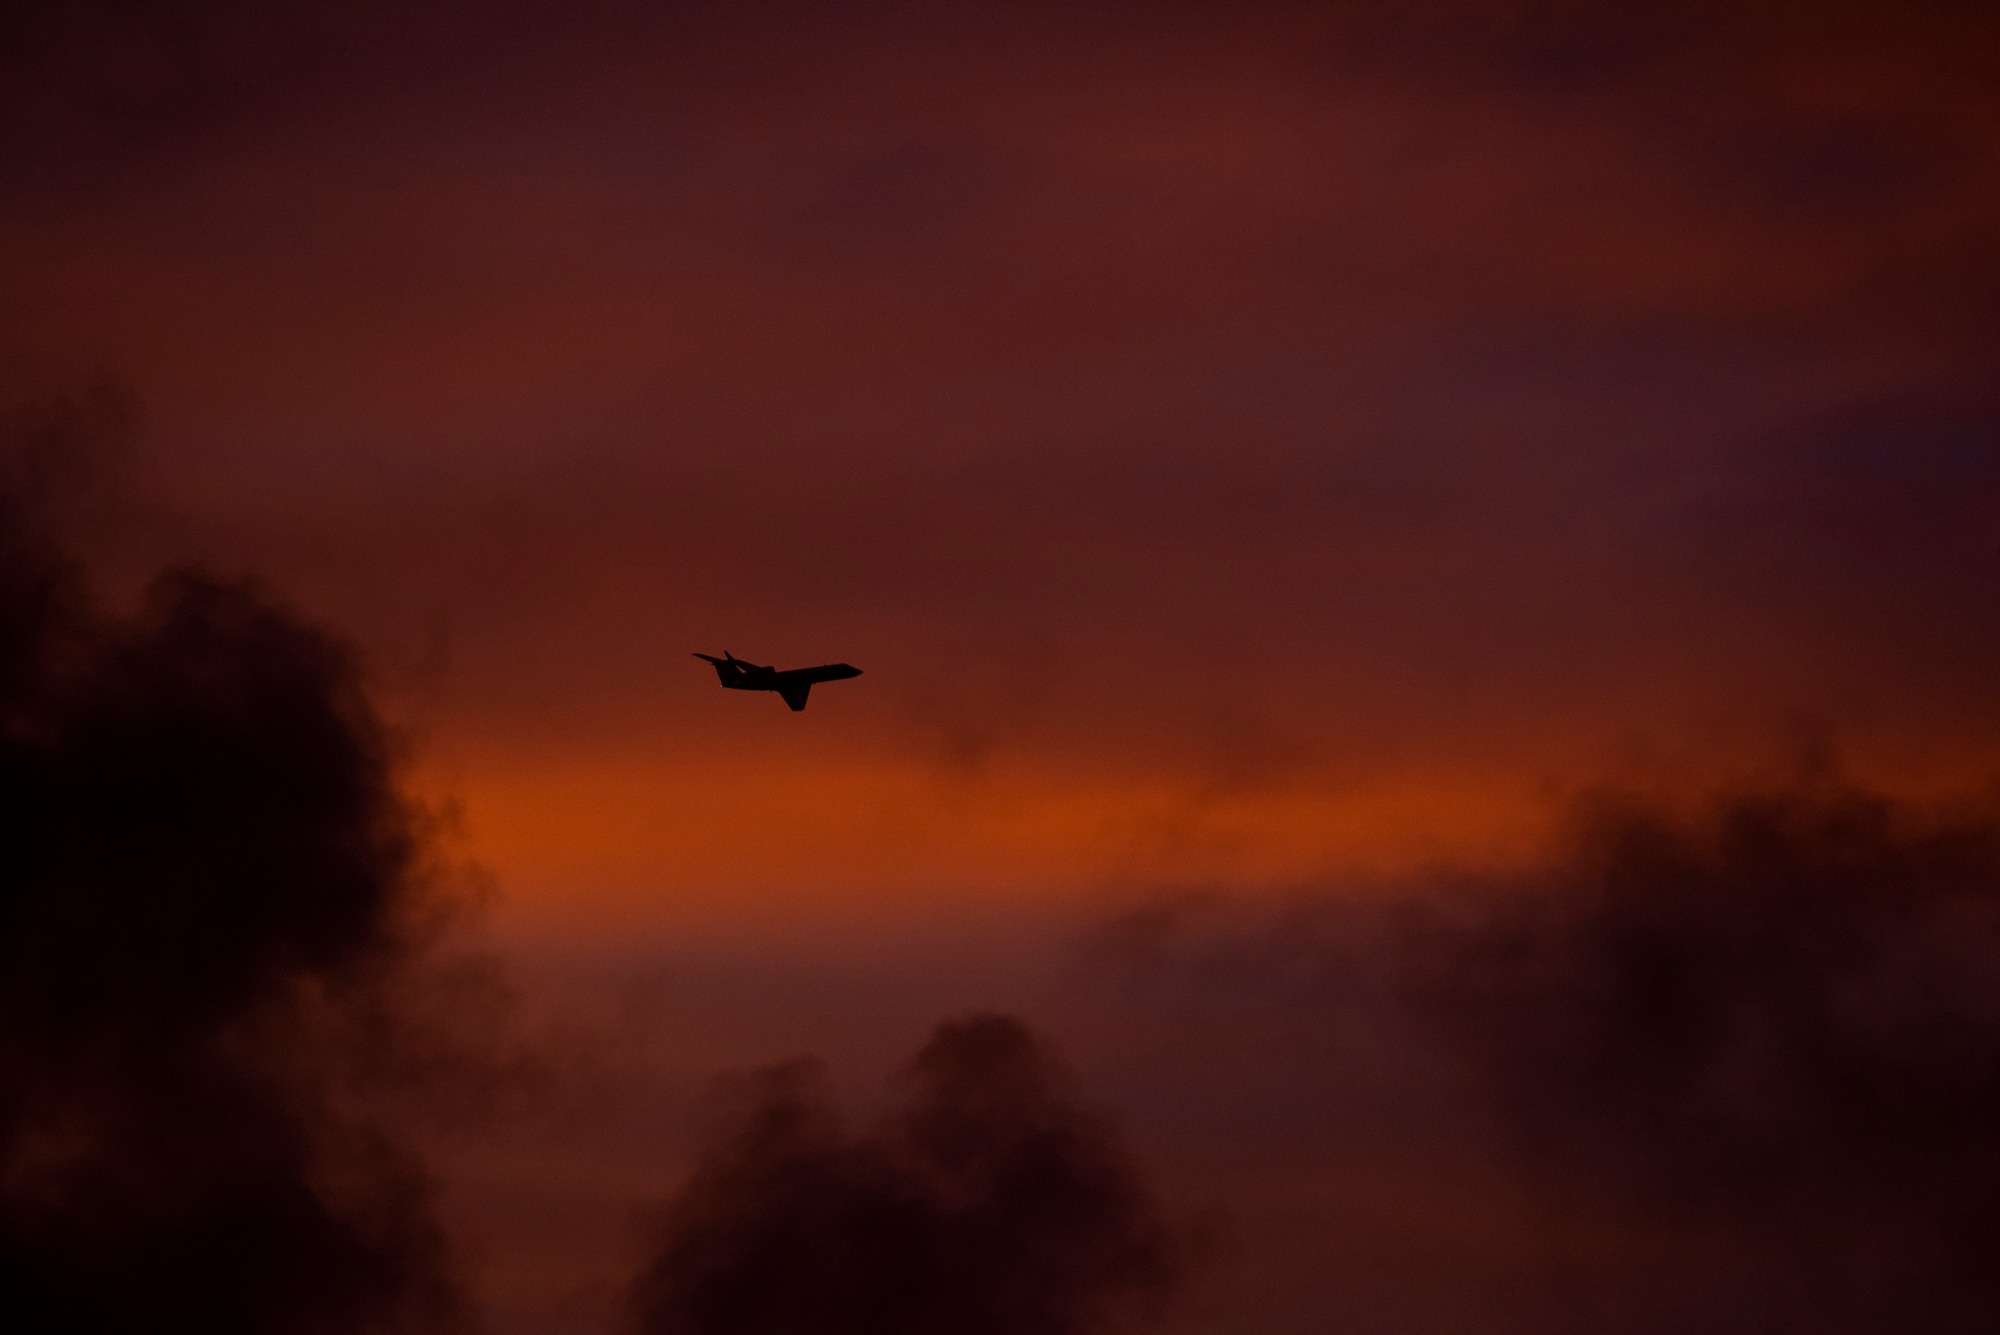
793, 684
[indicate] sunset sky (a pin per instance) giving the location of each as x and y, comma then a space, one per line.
1259, 454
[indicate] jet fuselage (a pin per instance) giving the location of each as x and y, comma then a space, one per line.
793, 685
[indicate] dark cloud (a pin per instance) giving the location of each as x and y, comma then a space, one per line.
1873, 521
1853, 144
209, 888
992, 1204
1564, 47
1782, 1017
1882, 481
1730, 1067
98, 90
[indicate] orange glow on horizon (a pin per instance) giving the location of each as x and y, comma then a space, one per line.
598, 839
592, 835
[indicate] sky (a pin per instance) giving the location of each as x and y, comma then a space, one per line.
1273, 464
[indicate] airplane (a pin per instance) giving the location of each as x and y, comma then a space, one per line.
793, 684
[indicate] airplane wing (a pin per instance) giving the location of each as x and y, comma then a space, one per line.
824, 672
795, 683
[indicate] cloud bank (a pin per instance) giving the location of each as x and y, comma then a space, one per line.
1727, 1066
1779, 1021
209, 889
991, 1204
